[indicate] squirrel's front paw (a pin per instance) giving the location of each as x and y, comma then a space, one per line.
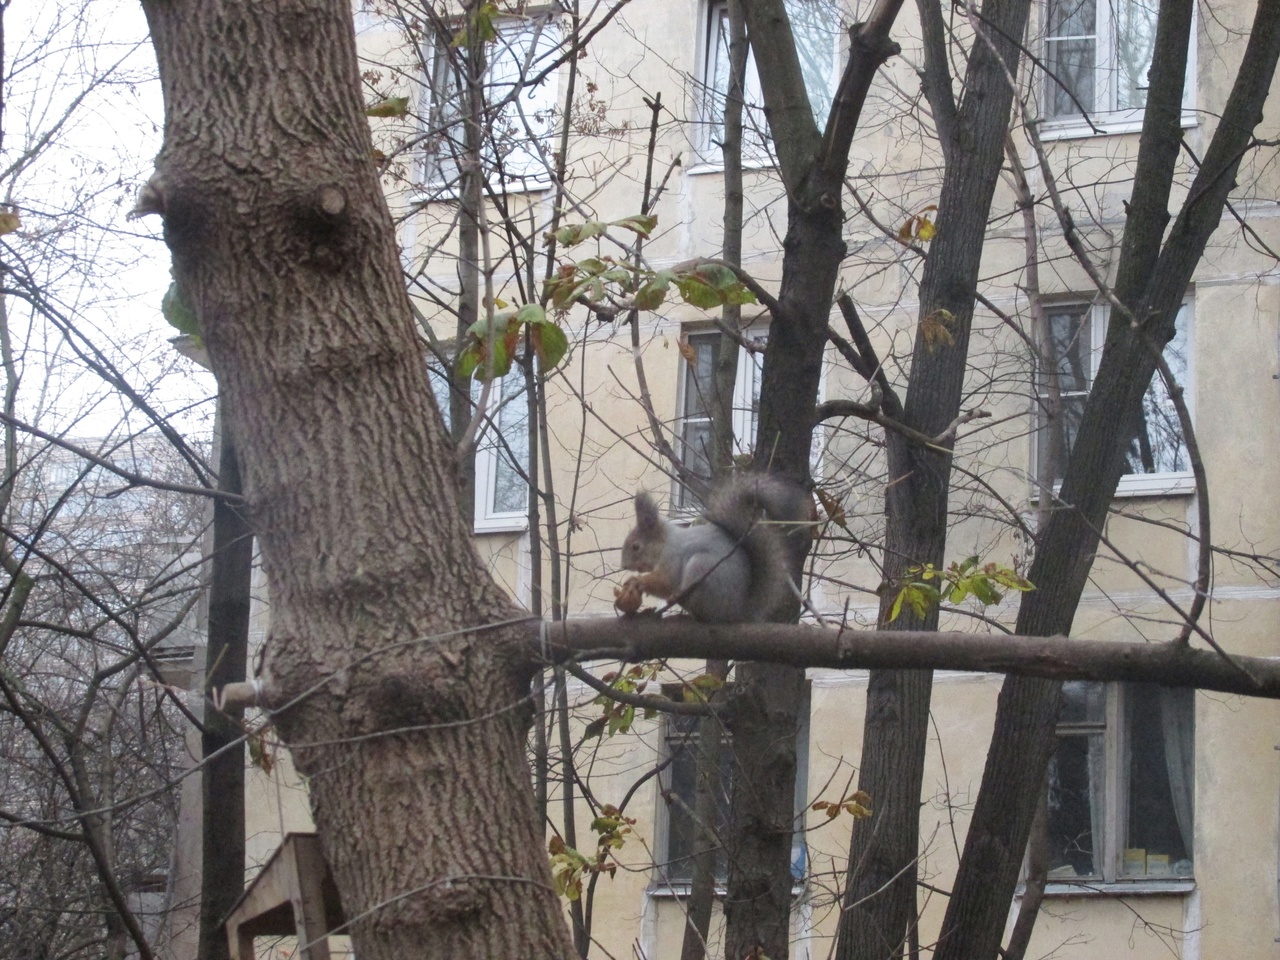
628, 597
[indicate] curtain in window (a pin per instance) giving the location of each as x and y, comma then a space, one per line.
1178, 718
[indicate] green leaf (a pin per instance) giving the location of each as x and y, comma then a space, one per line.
716, 275
575, 233
563, 291
653, 292
469, 359
176, 311
549, 344
986, 592
638, 223
737, 295
473, 360
481, 25
697, 292
390, 107
896, 609
531, 313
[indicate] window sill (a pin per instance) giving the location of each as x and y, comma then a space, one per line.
749, 164
1104, 125
682, 889
1157, 485
1134, 485
501, 525
1172, 886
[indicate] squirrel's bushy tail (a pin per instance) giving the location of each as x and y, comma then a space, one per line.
772, 519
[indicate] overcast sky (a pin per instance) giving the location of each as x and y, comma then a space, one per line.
80, 84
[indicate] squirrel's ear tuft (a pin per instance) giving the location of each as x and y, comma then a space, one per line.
646, 512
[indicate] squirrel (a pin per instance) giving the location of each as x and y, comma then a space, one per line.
734, 568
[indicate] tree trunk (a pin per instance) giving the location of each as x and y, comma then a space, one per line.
765, 714
763, 717
880, 890
411, 732
222, 779
707, 838
1151, 282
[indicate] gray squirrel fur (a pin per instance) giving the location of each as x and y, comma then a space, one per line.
735, 567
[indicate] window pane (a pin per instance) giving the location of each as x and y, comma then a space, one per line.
1135, 37
1068, 348
1161, 728
681, 826
519, 112
1159, 446
1072, 18
1083, 701
717, 88
1070, 358
510, 492
524, 111
696, 438
699, 374
440, 388
696, 441
815, 25
1070, 84
1075, 807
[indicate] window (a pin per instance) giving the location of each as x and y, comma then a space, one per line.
1122, 784
697, 392
1097, 54
816, 26
680, 784
502, 451
1157, 455
519, 107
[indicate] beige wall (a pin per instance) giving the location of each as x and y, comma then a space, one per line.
601, 454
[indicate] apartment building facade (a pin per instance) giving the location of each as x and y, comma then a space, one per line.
1163, 827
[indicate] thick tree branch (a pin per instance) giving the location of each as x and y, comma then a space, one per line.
869, 48
638, 639
786, 103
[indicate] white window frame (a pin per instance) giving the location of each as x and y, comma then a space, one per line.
1105, 118
1169, 483
524, 169
1117, 746
488, 451
709, 102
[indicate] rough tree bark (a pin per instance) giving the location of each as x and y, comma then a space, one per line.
764, 714
402, 700
880, 892
1151, 281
